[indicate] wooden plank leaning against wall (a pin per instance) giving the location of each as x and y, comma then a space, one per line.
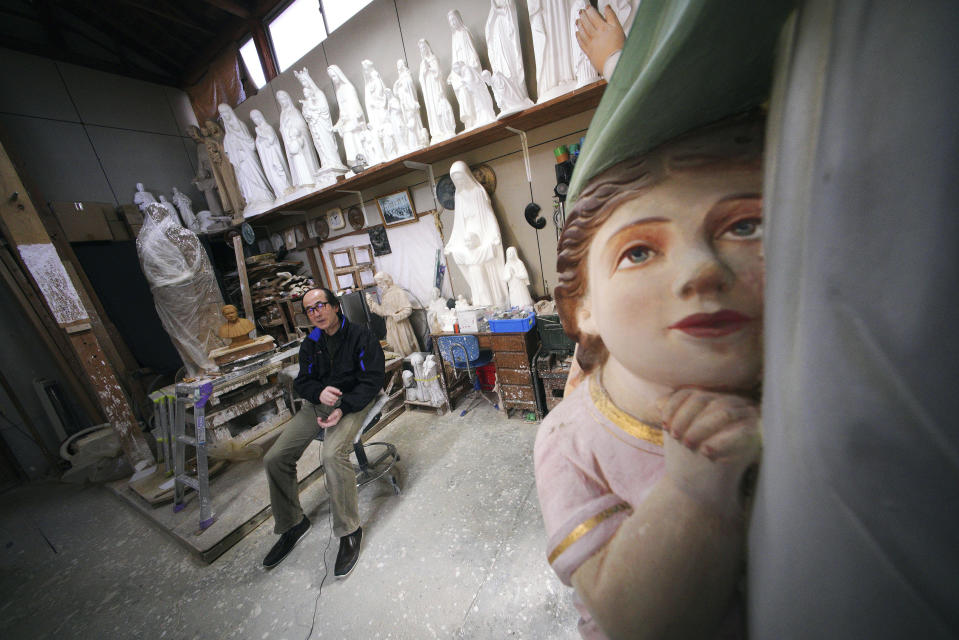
34, 249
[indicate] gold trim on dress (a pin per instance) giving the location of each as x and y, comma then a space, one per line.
626, 422
584, 528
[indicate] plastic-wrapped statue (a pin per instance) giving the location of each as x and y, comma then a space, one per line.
475, 242
351, 124
184, 288
241, 150
507, 77
644, 470
417, 135
270, 150
517, 280
549, 21
582, 68
377, 109
439, 113
395, 309
183, 204
169, 206
142, 197
300, 153
316, 111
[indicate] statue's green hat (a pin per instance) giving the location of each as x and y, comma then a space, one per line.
686, 63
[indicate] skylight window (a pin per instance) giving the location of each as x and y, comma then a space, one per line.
339, 11
252, 62
296, 31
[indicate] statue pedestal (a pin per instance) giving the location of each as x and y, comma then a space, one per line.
225, 355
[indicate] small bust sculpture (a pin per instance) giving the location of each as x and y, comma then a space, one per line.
236, 330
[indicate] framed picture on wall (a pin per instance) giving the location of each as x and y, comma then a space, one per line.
346, 280
379, 241
341, 258
396, 208
363, 255
335, 218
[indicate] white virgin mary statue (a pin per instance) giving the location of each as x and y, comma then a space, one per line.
270, 150
439, 113
300, 153
351, 125
475, 242
316, 111
549, 22
506, 58
241, 150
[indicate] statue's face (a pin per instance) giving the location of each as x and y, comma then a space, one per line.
256, 117
284, 98
230, 313
451, 19
675, 281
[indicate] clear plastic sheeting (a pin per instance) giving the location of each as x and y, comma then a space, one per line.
185, 291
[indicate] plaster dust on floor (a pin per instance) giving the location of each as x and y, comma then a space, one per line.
459, 554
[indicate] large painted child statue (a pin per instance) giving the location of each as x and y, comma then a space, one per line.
644, 471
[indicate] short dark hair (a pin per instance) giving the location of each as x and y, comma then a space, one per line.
330, 298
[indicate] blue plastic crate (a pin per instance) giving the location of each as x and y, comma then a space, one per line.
513, 325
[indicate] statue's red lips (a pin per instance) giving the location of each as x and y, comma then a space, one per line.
712, 325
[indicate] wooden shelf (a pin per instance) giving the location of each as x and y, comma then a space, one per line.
536, 116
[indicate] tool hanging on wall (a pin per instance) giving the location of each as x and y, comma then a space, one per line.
532, 209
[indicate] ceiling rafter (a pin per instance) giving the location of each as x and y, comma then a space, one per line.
166, 15
230, 7
115, 31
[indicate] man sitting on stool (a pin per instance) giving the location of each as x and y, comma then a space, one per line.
341, 366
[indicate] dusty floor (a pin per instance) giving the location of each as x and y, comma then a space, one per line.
460, 554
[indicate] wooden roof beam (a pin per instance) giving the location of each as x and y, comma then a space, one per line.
230, 7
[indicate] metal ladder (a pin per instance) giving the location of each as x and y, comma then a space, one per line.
198, 397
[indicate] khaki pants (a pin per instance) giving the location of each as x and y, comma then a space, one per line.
280, 462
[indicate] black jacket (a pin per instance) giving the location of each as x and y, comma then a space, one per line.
357, 370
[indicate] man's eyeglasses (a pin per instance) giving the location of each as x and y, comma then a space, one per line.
315, 308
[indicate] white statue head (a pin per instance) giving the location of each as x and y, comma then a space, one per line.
139, 186
336, 75
257, 117
424, 46
416, 359
401, 66
176, 192
461, 176
284, 99
455, 20
383, 279
511, 255
163, 198
472, 241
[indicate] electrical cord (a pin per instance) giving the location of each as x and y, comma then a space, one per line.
326, 567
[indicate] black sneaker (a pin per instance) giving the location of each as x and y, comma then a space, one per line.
348, 554
285, 544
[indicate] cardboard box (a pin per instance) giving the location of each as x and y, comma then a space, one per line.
84, 221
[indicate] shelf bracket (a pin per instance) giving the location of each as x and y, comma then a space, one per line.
525, 143
428, 169
359, 195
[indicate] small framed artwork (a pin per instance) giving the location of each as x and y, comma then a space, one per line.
379, 241
363, 255
346, 280
341, 258
396, 208
335, 218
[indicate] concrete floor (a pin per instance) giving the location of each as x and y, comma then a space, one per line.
460, 554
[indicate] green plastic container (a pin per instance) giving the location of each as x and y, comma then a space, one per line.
552, 336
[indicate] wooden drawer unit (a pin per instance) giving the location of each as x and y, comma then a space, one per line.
512, 353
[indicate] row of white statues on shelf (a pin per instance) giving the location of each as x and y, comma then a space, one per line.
392, 125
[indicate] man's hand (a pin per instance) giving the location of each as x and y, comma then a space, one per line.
714, 440
330, 395
599, 36
331, 421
